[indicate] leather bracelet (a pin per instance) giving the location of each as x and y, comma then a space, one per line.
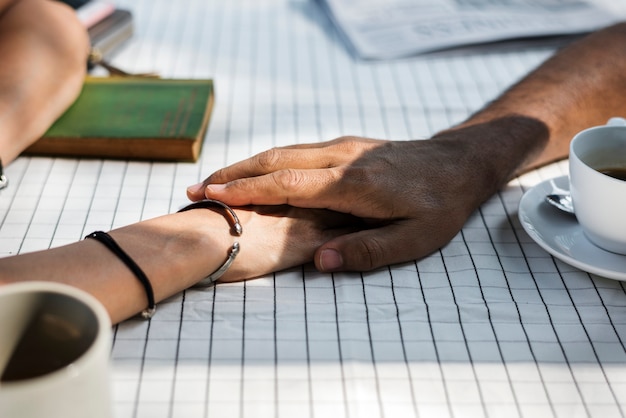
236, 230
4, 182
113, 246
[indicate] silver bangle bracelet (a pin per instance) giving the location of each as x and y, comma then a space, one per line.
4, 182
236, 230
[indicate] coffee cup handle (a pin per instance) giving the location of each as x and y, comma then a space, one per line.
616, 122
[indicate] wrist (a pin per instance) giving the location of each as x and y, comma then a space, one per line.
177, 250
493, 151
235, 228
201, 245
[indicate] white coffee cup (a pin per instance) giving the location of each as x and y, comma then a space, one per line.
55, 343
599, 199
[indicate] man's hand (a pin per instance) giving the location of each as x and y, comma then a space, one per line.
414, 195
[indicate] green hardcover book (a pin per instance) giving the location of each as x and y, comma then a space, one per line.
133, 118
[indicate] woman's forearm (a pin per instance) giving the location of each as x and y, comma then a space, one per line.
174, 251
44, 50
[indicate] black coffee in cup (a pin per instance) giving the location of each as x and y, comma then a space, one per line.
615, 172
55, 346
60, 331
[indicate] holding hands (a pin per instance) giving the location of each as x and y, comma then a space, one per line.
413, 196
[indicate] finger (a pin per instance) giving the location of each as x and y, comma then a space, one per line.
323, 155
373, 248
300, 188
276, 159
267, 162
298, 156
358, 141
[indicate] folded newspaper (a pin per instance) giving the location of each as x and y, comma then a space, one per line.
383, 29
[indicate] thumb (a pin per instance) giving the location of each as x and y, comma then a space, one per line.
368, 249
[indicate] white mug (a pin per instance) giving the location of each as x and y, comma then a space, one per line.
55, 343
599, 198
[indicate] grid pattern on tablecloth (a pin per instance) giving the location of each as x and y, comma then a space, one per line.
490, 325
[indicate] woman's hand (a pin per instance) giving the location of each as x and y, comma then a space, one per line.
278, 237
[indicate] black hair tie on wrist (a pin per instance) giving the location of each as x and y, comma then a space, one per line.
113, 246
110, 243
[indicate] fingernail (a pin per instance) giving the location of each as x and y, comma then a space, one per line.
330, 260
216, 187
196, 188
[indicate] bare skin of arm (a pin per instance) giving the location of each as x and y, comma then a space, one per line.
44, 50
44, 53
417, 195
176, 251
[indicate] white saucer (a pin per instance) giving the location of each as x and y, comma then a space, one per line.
559, 233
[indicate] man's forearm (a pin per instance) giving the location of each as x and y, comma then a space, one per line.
44, 49
580, 86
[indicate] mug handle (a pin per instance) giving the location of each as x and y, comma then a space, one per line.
616, 122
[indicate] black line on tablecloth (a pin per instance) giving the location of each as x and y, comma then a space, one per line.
556, 335
404, 355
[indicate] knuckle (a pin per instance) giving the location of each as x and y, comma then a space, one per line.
267, 160
370, 254
349, 145
357, 146
359, 175
217, 177
289, 179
